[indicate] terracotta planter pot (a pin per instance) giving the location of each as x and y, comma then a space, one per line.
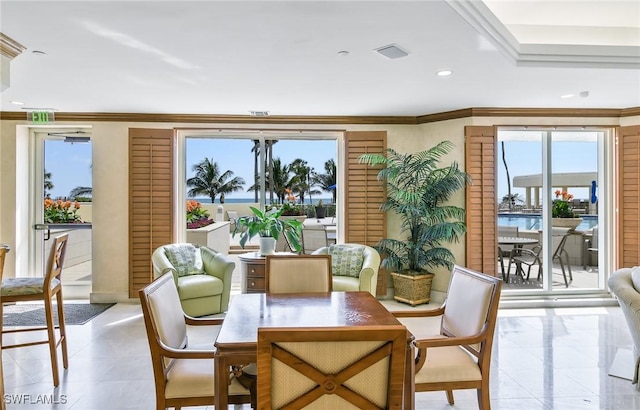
411, 289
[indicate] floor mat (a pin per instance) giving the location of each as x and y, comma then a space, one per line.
31, 314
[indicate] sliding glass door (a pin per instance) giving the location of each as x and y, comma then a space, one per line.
548, 194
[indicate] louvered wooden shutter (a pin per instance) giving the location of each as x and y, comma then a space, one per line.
628, 197
364, 222
481, 201
150, 200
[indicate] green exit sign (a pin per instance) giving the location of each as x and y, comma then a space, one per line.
40, 117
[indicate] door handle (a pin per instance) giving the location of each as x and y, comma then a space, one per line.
43, 227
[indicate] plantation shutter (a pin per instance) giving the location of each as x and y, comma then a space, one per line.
364, 222
628, 197
481, 201
150, 200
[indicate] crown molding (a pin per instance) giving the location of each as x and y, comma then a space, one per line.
217, 119
480, 17
9, 47
371, 120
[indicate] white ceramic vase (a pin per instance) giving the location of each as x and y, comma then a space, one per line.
267, 245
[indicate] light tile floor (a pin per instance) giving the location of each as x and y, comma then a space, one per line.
543, 359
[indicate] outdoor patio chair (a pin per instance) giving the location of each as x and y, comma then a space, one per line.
593, 247
532, 257
43, 289
459, 357
360, 367
505, 251
314, 238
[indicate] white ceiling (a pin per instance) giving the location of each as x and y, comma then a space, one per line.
213, 57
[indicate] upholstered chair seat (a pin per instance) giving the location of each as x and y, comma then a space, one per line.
355, 267
202, 276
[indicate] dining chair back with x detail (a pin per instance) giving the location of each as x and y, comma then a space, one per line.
331, 367
45, 289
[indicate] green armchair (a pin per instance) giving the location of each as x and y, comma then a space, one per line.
354, 267
202, 276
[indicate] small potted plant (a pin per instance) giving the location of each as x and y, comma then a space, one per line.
321, 211
561, 213
197, 216
417, 190
269, 226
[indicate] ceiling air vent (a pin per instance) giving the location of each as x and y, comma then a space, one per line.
392, 51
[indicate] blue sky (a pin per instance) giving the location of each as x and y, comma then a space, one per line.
525, 158
70, 164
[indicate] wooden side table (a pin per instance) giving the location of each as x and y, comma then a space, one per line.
252, 269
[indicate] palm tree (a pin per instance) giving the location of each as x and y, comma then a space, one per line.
209, 181
325, 181
80, 191
48, 184
256, 173
300, 182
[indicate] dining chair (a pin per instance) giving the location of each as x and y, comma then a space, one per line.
332, 367
298, 273
43, 289
459, 357
183, 373
313, 238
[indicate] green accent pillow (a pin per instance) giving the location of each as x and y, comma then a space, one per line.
346, 260
185, 258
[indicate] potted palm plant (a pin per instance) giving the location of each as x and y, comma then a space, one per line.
417, 189
269, 226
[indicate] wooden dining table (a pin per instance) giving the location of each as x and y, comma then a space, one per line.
238, 337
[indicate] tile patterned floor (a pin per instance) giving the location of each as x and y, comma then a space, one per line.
543, 359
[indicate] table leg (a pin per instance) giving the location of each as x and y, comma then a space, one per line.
222, 383
409, 385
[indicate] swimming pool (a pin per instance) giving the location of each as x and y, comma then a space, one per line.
534, 222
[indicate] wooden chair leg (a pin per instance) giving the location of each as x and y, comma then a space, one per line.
450, 397
51, 334
63, 330
484, 403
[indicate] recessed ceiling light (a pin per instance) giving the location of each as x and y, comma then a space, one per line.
444, 73
343, 53
567, 96
17, 102
392, 51
39, 53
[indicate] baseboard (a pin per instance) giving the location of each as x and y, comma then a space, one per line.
115, 297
